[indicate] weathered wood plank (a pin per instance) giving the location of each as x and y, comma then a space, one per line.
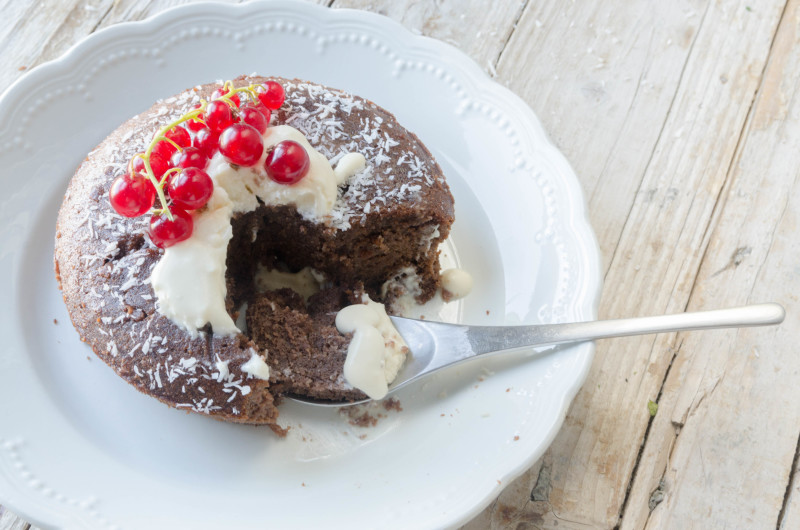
614, 68
725, 439
602, 77
9, 521
477, 28
790, 518
657, 124
32, 32
132, 10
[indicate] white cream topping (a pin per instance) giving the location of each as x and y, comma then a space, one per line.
189, 279
376, 351
314, 195
456, 283
305, 282
349, 165
256, 366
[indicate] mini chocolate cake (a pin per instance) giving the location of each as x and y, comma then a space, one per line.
388, 220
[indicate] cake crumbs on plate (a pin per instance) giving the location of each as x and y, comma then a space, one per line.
369, 414
392, 404
359, 417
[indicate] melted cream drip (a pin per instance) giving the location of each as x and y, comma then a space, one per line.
305, 282
376, 351
456, 283
189, 279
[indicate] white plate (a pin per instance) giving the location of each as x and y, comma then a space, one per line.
80, 448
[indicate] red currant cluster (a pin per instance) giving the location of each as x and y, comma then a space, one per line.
176, 159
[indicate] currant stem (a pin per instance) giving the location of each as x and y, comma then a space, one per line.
167, 173
160, 135
152, 176
249, 90
176, 146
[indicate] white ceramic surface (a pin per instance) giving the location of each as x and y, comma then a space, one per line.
79, 448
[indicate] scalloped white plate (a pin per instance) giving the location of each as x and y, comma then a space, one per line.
81, 449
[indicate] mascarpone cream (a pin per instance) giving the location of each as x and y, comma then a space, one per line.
376, 351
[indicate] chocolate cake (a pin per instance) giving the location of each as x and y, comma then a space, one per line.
387, 221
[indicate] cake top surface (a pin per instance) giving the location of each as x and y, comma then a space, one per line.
335, 123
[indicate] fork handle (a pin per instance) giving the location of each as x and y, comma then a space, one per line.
485, 339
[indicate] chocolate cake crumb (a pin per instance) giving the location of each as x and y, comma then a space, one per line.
359, 417
392, 404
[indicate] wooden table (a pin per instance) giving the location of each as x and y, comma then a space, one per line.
680, 120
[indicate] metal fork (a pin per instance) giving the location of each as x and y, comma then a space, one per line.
436, 345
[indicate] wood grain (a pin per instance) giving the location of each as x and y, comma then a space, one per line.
655, 230
472, 26
729, 422
680, 119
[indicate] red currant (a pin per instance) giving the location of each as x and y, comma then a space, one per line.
287, 162
194, 124
190, 157
207, 141
164, 149
157, 164
271, 94
250, 115
191, 188
165, 233
218, 93
180, 136
218, 116
265, 111
131, 196
242, 144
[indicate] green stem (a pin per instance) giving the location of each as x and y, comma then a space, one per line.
160, 135
167, 173
250, 90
